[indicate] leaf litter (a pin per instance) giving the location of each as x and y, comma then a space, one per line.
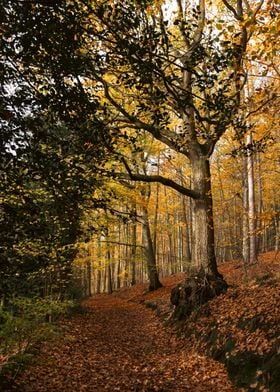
118, 344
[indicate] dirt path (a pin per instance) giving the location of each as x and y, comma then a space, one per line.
121, 346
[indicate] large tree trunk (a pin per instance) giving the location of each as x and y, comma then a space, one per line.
204, 282
203, 254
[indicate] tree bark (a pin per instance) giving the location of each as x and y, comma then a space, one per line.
125, 257
251, 205
245, 230
98, 278
203, 253
259, 226
109, 273
277, 232
89, 282
154, 282
133, 248
188, 226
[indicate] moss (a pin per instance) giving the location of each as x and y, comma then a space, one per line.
150, 305
263, 279
252, 324
247, 369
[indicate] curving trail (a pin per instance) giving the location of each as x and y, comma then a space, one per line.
121, 346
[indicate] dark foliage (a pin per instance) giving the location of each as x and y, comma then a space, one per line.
52, 145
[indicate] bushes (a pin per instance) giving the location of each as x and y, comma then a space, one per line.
25, 322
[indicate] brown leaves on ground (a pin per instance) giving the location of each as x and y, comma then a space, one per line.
120, 345
242, 327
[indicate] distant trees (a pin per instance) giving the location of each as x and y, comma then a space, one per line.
85, 82
154, 70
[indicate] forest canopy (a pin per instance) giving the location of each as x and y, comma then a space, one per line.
138, 138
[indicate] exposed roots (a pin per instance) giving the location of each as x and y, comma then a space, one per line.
195, 291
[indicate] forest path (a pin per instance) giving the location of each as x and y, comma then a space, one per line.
121, 346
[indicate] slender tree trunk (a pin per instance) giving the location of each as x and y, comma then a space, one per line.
98, 278
245, 230
170, 253
169, 236
277, 237
113, 267
154, 282
180, 252
260, 204
119, 258
251, 206
133, 247
119, 273
125, 256
89, 272
109, 273
277, 229
236, 230
156, 219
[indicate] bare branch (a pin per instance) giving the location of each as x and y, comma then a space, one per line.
201, 23
258, 8
182, 27
231, 8
261, 106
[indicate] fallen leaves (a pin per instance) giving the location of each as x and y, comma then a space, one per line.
120, 345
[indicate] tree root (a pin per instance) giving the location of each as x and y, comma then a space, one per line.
198, 289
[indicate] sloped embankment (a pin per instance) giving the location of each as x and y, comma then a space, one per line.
241, 328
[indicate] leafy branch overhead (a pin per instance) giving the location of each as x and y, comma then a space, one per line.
94, 92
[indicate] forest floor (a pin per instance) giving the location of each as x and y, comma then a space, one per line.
121, 342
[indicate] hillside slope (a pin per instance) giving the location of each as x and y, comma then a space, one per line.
241, 328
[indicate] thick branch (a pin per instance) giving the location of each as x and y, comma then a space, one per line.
162, 180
